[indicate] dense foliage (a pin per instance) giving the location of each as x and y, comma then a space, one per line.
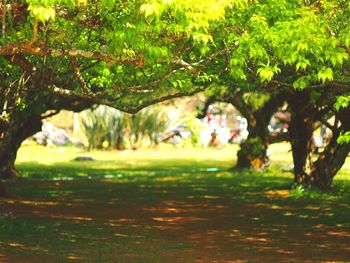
60, 54
122, 53
57, 54
297, 51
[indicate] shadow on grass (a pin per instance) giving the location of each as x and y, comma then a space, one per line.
91, 168
149, 213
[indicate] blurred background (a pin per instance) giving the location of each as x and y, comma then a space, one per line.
175, 122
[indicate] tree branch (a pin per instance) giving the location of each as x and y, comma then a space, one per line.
26, 48
35, 32
78, 76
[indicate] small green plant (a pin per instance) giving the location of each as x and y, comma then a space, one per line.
94, 126
150, 123
116, 124
194, 126
106, 127
103, 126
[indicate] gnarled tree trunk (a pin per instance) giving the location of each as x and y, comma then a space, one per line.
328, 164
253, 151
19, 129
334, 155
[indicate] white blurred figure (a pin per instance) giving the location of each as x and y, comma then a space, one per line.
223, 135
243, 125
205, 136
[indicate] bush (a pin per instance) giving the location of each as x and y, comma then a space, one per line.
110, 127
150, 123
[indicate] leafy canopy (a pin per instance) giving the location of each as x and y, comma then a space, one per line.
127, 54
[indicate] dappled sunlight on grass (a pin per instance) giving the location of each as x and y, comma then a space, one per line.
123, 208
29, 202
281, 154
178, 219
277, 194
73, 257
167, 157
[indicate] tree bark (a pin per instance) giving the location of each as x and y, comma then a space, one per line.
19, 129
300, 131
328, 165
301, 137
253, 151
331, 160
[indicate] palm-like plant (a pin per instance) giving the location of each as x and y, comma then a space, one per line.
103, 124
106, 124
150, 123
94, 126
116, 123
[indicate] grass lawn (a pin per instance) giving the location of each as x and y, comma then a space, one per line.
168, 205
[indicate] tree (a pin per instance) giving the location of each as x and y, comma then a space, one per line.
269, 43
334, 155
129, 54
258, 107
273, 42
66, 54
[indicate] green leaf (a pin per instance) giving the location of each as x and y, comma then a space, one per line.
342, 102
344, 138
301, 82
325, 74
267, 72
42, 13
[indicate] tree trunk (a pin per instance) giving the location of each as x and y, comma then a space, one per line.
18, 130
252, 153
334, 155
300, 132
328, 165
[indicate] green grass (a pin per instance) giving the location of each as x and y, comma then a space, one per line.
168, 205
32, 158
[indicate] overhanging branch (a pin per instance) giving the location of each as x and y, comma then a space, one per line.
27, 48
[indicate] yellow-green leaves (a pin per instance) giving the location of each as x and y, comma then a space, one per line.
302, 64
308, 44
346, 38
202, 38
325, 74
256, 100
153, 8
302, 82
259, 21
42, 13
267, 72
45, 10
257, 51
338, 58
191, 14
81, 2
342, 102
238, 64
344, 138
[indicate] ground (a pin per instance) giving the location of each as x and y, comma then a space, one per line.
168, 205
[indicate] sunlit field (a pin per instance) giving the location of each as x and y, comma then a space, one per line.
168, 205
